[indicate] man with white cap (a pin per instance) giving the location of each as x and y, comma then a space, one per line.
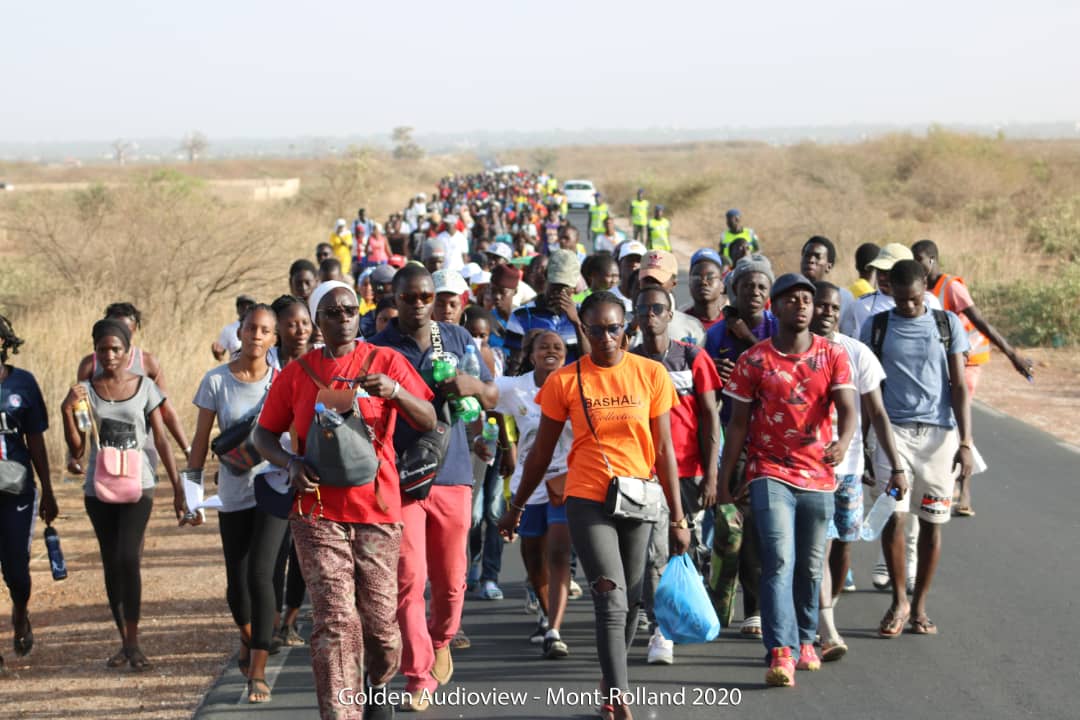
450, 288
881, 299
341, 242
628, 255
457, 244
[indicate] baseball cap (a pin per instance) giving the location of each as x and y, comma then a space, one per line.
449, 281
563, 268
633, 247
470, 270
500, 249
734, 212
706, 255
890, 255
481, 278
658, 265
788, 282
506, 276
383, 275
340, 223
433, 248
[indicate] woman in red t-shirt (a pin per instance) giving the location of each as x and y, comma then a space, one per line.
347, 538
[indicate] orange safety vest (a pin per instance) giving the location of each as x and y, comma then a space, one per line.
979, 354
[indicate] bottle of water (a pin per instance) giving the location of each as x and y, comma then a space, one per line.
471, 364
82, 416
327, 418
491, 437
468, 408
56, 555
879, 515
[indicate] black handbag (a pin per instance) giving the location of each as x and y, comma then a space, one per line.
628, 497
235, 446
419, 464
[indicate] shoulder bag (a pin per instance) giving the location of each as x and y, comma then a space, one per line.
117, 467
420, 462
235, 446
13, 474
629, 498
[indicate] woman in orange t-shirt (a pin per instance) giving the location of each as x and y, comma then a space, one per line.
629, 398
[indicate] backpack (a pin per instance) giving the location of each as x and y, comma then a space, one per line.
881, 324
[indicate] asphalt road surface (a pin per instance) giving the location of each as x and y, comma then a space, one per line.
1004, 600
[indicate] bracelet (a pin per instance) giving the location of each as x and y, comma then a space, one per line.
397, 389
966, 445
519, 508
897, 471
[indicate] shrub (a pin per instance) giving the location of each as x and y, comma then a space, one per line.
1037, 312
1057, 230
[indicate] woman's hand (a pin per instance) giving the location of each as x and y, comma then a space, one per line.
47, 510
302, 476
179, 506
680, 540
76, 394
74, 466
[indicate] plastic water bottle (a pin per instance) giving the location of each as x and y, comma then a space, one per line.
879, 515
82, 416
469, 408
471, 364
491, 437
327, 418
56, 555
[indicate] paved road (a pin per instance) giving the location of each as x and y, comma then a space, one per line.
1005, 601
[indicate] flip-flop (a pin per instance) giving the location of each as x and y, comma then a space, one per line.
892, 625
253, 689
120, 659
923, 626
138, 661
963, 511
24, 643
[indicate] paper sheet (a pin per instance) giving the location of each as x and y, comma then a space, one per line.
193, 496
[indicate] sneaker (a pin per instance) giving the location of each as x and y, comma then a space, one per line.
532, 603
555, 648
538, 634
661, 650
382, 710
460, 641
643, 624
575, 590
472, 582
808, 659
880, 578
490, 591
849, 582
781, 668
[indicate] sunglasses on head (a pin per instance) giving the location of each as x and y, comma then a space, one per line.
657, 309
411, 298
598, 331
341, 312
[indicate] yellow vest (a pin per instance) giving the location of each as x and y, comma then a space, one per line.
658, 234
597, 215
639, 212
729, 237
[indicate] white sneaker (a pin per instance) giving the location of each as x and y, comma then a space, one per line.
661, 650
880, 577
575, 590
642, 621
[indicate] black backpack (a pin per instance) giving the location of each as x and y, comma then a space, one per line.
881, 324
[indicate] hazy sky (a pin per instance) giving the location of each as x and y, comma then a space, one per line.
236, 68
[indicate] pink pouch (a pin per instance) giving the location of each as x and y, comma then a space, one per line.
118, 475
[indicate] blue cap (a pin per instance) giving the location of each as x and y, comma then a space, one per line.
659, 207
640, 190
733, 212
788, 282
707, 254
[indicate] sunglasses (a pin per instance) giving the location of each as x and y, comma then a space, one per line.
599, 331
341, 312
411, 298
656, 309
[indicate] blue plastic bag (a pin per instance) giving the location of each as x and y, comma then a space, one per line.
682, 607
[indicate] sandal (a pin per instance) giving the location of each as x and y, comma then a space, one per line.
923, 626
120, 659
258, 691
963, 511
24, 642
892, 624
751, 627
138, 661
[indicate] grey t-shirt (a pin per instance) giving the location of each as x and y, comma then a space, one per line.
232, 401
125, 424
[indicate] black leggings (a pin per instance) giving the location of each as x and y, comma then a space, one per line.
268, 533
16, 525
237, 533
120, 530
291, 589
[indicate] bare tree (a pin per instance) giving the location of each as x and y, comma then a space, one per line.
194, 145
121, 148
341, 184
405, 148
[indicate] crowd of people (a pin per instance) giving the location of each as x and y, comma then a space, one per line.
368, 419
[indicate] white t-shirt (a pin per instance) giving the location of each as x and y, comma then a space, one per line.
517, 399
870, 305
457, 247
230, 338
866, 374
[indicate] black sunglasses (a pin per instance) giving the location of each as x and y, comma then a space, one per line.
656, 309
411, 298
341, 312
598, 331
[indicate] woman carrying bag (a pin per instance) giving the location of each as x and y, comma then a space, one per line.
119, 486
346, 524
232, 394
618, 406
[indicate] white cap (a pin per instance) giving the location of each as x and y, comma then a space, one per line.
449, 281
631, 247
470, 270
340, 222
481, 278
500, 249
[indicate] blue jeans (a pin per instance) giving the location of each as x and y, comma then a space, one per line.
791, 529
485, 542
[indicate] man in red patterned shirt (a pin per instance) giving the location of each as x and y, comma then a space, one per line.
782, 390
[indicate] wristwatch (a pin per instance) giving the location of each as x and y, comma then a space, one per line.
681, 524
